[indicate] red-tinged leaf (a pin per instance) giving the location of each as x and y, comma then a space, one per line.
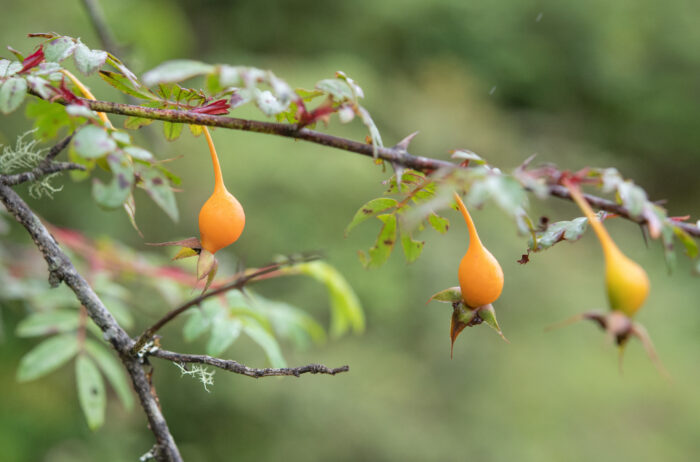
216, 108
67, 95
32, 60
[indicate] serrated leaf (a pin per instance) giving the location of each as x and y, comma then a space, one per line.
86, 60
451, 295
411, 248
9, 68
49, 322
123, 84
47, 356
91, 391
114, 194
172, 130
559, 231
176, 71
223, 333
92, 142
371, 209
12, 93
159, 190
379, 254
339, 89
440, 224
265, 340
113, 370
58, 49
50, 118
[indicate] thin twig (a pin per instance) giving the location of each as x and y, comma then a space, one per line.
41, 170
237, 283
238, 368
61, 269
395, 155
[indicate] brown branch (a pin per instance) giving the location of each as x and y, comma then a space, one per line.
41, 170
397, 155
238, 368
617, 209
61, 269
238, 283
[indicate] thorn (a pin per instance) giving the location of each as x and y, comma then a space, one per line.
403, 144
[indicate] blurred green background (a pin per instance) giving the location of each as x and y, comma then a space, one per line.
594, 83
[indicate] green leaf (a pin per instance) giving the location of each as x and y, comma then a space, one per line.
176, 71
12, 93
223, 333
339, 89
159, 190
371, 209
123, 84
58, 49
88, 61
113, 370
451, 295
440, 224
138, 153
290, 322
411, 248
195, 325
40, 86
265, 340
466, 154
559, 231
633, 197
379, 254
134, 123
49, 118
47, 356
346, 311
691, 247
9, 68
172, 130
91, 391
76, 110
114, 194
93, 141
372, 127
49, 322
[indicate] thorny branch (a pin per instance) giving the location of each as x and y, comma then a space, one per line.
238, 368
397, 155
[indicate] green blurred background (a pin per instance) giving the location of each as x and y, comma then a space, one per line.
594, 83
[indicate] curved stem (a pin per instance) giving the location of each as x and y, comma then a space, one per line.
86, 92
609, 246
473, 235
218, 177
